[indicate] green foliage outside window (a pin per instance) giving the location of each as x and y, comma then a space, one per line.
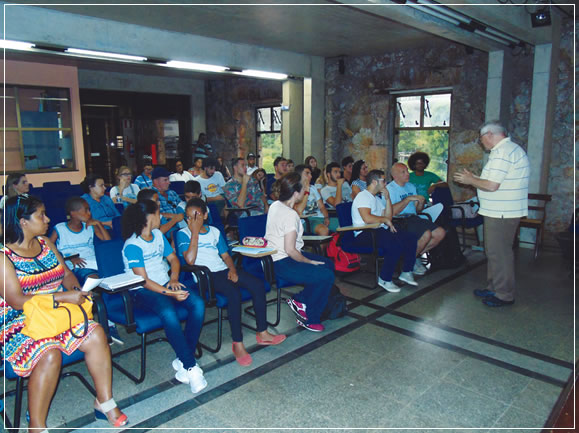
432, 142
270, 148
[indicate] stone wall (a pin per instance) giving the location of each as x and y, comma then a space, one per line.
360, 110
230, 112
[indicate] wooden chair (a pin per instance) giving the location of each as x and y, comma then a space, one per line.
536, 219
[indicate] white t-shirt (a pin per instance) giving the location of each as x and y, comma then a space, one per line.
330, 191
130, 192
282, 220
81, 243
213, 186
209, 248
183, 177
139, 253
367, 200
250, 170
312, 208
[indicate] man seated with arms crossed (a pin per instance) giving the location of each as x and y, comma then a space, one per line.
337, 190
368, 209
280, 167
244, 191
212, 183
406, 203
169, 200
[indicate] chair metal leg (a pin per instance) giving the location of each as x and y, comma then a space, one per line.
18, 402
217, 348
277, 300
143, 348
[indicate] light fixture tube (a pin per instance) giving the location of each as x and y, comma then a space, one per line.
430, 11
16, 45
446, 11
502, 35
105, 54
195, 66
262, 74
494, 38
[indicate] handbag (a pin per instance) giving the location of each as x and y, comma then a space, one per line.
45, 317
254, 241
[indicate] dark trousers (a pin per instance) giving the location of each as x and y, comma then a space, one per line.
183, 343
317, 280
394, 245
232, 292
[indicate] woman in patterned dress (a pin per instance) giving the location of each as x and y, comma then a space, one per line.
35, 268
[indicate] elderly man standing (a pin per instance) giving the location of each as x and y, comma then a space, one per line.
244, 191
502, 189
406, 203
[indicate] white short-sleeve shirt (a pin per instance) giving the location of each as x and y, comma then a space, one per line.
330, 191
367, 200
213, 186
282, 220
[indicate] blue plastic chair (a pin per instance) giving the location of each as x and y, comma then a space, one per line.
178, 186
120, 308
18, 391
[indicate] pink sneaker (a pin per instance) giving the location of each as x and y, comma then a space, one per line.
298, 308
316, 327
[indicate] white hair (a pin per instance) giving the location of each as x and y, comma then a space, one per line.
493, 127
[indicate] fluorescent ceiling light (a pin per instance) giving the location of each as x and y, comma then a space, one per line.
15, 45
104, 54
195, 66
494, 38
262, 74
432, 11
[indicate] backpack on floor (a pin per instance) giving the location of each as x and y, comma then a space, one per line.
447, 254
336, 306
343, 261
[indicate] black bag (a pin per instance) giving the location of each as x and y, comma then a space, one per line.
336, 306
447, 254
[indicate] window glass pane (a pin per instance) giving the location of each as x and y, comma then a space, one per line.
46, 100
408, 112
264, 119
437, 110
10, 101
277, 118
11, 157
41, 149
269, 147
432, 142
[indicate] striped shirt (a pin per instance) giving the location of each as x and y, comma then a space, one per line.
508, 166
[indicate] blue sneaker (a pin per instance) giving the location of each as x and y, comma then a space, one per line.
493, 301
483, 293
114, 333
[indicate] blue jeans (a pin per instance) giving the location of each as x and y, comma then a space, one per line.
183, 343
394, 245
317, 280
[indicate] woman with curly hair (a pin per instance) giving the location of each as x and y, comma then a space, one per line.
358, 179
147, 253
424, 181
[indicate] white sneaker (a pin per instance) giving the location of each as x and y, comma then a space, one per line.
177, 364
408, 278
388, 286
194, 377
419, 268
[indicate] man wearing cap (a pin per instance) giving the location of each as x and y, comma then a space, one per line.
251, 166
212, 183
169, 199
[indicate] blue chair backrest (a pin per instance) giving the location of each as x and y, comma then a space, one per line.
442, 195
344, 211
252, 226
215, 219
56, 186
109, 257
178, 187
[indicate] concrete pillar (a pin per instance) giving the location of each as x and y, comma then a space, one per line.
498, 87
314, 109
198, 124
292, 117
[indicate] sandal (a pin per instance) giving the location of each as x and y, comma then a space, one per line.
277, 339
107, 406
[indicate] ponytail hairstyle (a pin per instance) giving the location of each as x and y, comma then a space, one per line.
15, 208
135, 217
288, 184
90, 181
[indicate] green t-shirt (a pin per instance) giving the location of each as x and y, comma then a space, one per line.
422, 183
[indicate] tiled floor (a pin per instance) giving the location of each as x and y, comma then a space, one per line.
424, 358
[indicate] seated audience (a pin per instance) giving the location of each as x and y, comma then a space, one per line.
260, 177
347, 165
148, 254
16, 184
290, 165
202, 148
197, 167
192, 190
243, 191
222, 168
169, 221
358, 179
144, 179
168, 198
212, 183
424, 181
251, 163
337, 190
405, 205
280, 168
368, 209
284, 233
34, 267
312, 207
180, 175
203, 245
101, 206
124, 191
312, 163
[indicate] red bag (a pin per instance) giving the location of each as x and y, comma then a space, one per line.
343, 261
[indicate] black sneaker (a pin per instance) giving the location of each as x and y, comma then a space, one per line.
493, 301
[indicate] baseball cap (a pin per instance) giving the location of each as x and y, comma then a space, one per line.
160, 172
250, 155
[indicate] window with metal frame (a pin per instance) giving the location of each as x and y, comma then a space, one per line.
268, 128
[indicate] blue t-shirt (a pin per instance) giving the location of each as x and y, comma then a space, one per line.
139, 253
399, 193
143, 181
210, 247
103, 210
